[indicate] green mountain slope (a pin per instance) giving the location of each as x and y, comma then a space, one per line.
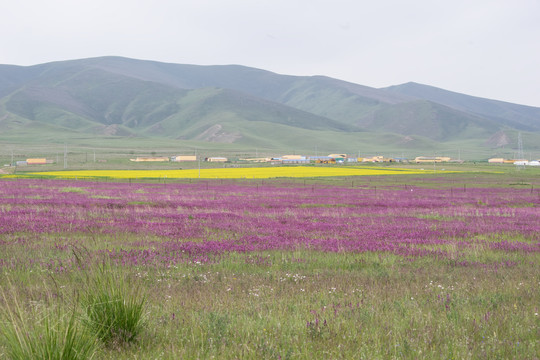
118, 98
512, 115
332, 98
202, 109
93, 100
425, 118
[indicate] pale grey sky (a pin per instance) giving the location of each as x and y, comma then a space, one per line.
486, 48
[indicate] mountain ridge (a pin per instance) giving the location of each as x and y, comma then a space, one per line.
515, 114
116, 96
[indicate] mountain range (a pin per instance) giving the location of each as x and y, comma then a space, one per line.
119, 99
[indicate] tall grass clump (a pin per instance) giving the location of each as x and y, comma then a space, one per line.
40, 331
113, 308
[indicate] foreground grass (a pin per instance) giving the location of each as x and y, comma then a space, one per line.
303, 304
475, 295
113, 308
45, 329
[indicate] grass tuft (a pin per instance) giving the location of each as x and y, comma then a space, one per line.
43, 332
114, 310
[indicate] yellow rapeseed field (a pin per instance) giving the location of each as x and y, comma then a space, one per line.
231, 173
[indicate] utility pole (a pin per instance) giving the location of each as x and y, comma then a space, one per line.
65, 156
520, 155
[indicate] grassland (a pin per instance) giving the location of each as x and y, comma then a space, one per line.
419, 266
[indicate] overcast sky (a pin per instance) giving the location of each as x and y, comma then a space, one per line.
486, 48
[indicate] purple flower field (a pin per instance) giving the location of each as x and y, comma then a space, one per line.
275, 269
166, 224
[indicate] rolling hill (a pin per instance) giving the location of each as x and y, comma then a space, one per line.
117, 98
521, 117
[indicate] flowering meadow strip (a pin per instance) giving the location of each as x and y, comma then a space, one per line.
273, 269
227, 173
167, 224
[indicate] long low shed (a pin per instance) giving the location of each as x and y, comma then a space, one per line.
36, 161
216, 159
150, 158
185, 158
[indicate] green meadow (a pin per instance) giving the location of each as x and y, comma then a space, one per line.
97, 292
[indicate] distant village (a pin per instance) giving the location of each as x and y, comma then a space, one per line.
301, 159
